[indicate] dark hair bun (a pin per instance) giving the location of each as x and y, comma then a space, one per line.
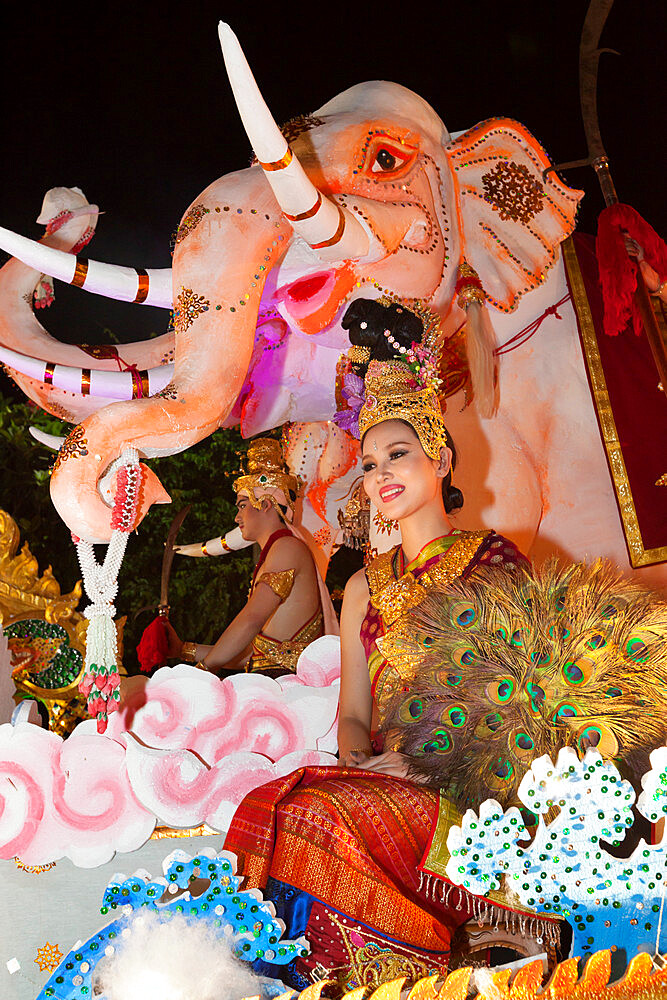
366, 321
451, 495
453, 498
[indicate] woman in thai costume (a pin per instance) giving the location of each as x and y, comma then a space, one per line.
342, 852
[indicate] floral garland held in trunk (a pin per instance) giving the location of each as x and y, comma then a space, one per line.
100, 684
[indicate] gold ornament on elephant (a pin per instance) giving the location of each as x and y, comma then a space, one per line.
189, 306
74, 446
191, 220
512, 192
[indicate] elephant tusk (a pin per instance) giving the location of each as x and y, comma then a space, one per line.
52, 441
328, 228
112, 385
128, 284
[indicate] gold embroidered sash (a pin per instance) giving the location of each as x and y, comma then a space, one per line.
276, 654
393, 598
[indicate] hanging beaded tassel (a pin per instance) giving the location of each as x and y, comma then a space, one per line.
480, 339
100, 684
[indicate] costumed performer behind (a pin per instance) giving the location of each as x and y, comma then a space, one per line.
288, 605
341, 851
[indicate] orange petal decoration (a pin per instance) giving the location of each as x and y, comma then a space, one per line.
424, 989
455, 986
640, 982
528, 981
389, 991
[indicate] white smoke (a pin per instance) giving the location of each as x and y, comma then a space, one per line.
176, 959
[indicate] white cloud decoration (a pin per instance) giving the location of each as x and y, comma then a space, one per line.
565, 870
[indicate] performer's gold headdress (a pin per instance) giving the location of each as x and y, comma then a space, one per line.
393, 391
401, 381
266, 477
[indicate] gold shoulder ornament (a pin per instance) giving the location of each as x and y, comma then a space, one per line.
281, 583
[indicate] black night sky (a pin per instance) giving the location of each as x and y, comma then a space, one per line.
131, 103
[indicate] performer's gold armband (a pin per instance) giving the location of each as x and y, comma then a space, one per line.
281, 583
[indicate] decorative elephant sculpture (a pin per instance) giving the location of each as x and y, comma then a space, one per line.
370, 195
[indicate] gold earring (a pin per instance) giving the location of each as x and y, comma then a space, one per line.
384, 525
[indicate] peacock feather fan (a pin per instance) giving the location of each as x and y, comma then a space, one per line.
510, 665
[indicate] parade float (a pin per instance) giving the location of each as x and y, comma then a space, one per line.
369, 196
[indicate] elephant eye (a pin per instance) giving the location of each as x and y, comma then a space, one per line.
387, 156
384, 160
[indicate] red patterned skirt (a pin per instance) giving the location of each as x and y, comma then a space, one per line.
351, 842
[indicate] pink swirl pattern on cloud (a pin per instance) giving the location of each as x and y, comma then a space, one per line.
66, 799
184, 751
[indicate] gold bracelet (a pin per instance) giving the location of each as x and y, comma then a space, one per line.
203, 549
367, 750
199, 665
189, 652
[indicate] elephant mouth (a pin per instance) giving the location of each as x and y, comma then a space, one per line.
312, 300
308, 294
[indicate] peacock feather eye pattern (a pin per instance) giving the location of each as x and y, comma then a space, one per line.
521, 663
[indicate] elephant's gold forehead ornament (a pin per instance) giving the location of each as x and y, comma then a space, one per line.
265, 478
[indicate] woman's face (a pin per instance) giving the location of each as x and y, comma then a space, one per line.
399, 477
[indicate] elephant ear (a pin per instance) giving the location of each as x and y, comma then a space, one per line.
512, 219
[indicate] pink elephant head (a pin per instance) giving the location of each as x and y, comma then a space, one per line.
368, 196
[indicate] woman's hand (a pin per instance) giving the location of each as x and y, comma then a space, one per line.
634, 249
391, 763
174, 644
354, 758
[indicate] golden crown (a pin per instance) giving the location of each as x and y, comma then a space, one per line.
265, 475
393, 392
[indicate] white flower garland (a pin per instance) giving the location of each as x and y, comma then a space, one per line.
101, 681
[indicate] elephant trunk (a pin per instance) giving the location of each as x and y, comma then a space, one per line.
328, 228
215, 319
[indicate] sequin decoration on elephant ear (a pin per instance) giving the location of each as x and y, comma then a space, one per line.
516, 664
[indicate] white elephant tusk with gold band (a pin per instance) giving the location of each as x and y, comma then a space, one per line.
127, 284
332, 231
221, 545
135, 384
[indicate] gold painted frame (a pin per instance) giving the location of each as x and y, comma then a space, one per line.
639, 554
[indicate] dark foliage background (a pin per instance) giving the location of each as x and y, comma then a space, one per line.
204, 593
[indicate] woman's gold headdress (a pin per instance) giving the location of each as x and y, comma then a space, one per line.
393, 391
266, 477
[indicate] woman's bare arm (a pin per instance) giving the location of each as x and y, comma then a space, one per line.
356, 702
